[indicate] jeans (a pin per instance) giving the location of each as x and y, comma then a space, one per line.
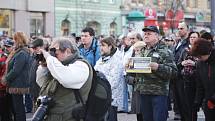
18, 107
154, 107
28, 103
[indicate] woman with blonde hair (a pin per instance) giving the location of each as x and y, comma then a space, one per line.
16, 77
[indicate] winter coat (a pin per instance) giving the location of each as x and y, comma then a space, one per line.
112, 68
18, 72
156, 83
57, 81
178, 50
206, 79
92, 54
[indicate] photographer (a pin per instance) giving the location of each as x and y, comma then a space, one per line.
57, 80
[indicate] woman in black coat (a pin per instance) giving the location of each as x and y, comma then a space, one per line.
16, 78
187, 67
205, 91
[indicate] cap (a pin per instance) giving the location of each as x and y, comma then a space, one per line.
8, 42
36, 43
151, 28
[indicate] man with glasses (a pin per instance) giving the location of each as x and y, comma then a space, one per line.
89, 48
178, 86
154, 86
61, 76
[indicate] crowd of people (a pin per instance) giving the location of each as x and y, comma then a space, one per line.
182, 73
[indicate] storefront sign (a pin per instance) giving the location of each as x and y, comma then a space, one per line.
150, 13
203, 17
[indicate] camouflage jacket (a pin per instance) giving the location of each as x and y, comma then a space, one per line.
157, 82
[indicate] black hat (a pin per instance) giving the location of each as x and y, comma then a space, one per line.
151, 28
8, 42
36, 43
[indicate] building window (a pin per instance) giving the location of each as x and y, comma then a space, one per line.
209, 4
192, 3
96, 26
95, 0
113, 28
112, 1
36, 24
6, 21
65, 27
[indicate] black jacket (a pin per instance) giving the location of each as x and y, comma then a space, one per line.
206, 79
34, 87
177, 51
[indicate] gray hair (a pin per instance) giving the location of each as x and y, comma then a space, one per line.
65, 43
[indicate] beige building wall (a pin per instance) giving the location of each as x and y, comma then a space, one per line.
22, 10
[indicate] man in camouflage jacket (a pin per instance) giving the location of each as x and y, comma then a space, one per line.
154, 86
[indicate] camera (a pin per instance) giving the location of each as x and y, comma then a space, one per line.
44, 103
40, 57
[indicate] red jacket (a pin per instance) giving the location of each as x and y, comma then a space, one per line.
2, 68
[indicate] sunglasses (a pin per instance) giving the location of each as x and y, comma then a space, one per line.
169, 40
132, 38
180, 28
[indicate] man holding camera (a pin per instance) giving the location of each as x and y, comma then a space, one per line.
58, 80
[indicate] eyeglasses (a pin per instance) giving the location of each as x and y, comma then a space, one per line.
193, 37
132, 38
7, 46
167, 40
180, 28
85, 35
148, 34
52, 51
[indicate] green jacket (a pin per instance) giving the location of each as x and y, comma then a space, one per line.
63, 98
157, 82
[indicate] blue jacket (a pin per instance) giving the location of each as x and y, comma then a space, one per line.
92, 54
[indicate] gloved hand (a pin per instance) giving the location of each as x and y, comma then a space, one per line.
211, 102
196, 106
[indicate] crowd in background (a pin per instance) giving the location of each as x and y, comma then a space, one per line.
183, 72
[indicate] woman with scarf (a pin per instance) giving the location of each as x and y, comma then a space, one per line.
110, 64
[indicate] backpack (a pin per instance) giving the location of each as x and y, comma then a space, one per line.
98, 102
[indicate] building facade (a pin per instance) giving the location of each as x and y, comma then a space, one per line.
34, 17
169, 12
102, 15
